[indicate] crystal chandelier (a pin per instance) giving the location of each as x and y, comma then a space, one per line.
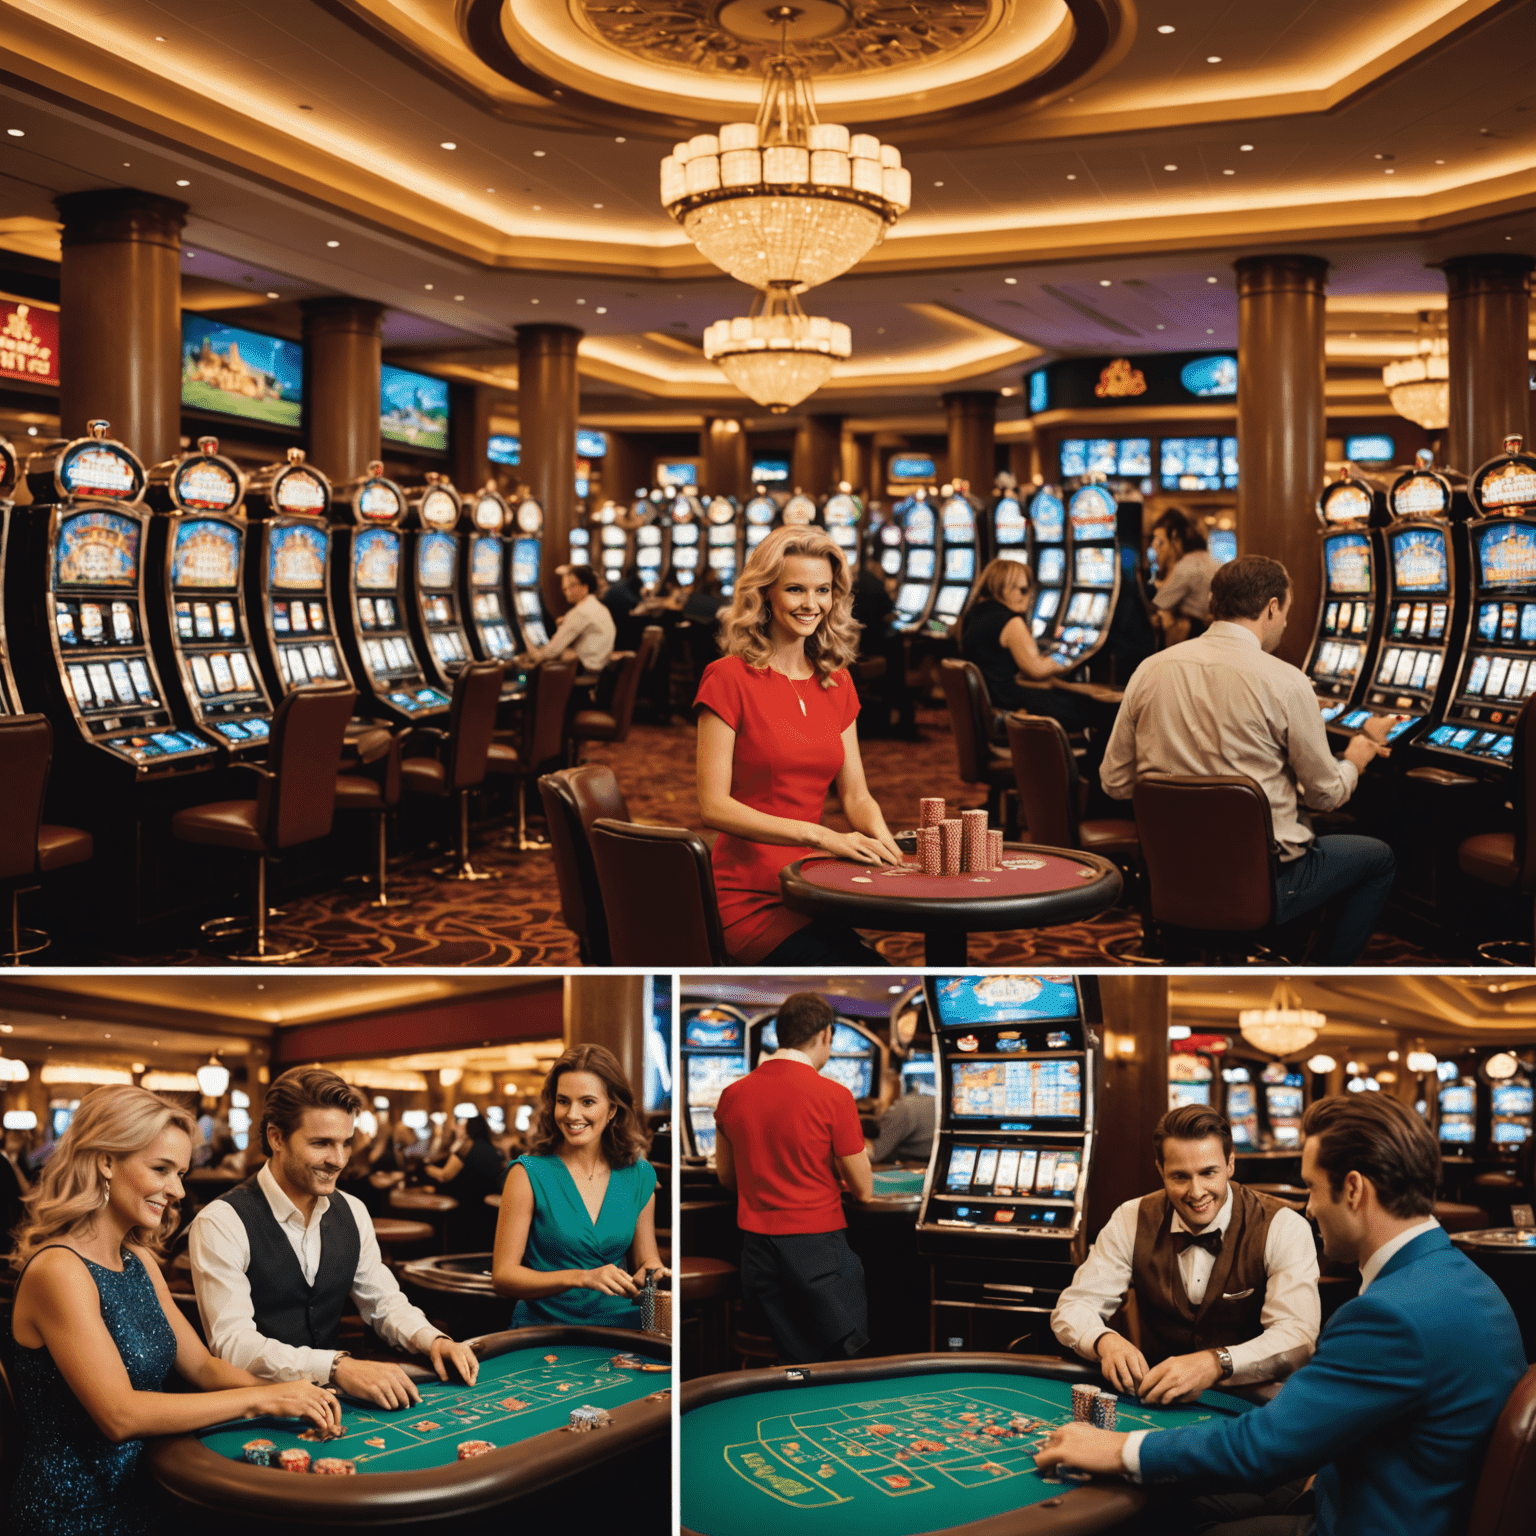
1419, 386
778, 354
1284, 1027
787, 201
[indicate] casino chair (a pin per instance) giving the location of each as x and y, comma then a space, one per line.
295, 803
1507, 860
376, 791
540, 736
981, 762
658, 894
625, 668
573, 799
1208, 846
1506, 1488
1053, 794
462, 756
29, 847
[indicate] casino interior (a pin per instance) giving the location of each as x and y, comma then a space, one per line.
1046, 1089
329, 335
432, 1054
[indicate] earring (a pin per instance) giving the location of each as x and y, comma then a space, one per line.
106, 1193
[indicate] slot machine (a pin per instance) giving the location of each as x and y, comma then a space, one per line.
1010, 527
855, 1061
1457, 1104
841, 513
962, 552
1191, 1078
288, 585
1498, 663
10, 466
200, 627
919, 561
1004, 1210
1350, 510
612, 541
686, 512
1510, 1102
483, 590
1083, 624
799, 511
527, 603
369, 581
435, 550
713, 1051
1424, 601
723, 538
1284, 1101
888, 545
1048, 525
651, 552
578, 546
758, 517
81, 586
1242, 1109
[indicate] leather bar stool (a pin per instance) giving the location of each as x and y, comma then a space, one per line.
462, 753
981, 762
612, 724
29, 847
425, 1206
634, 863
376, 792
1507, 860
401, 1238
1455, 1217
295, 803
573, 799
540, 737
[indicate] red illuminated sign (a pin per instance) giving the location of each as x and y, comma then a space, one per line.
29, 342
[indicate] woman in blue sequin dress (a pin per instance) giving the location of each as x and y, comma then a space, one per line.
94, 1333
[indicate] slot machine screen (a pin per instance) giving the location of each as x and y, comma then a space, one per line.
852, 1062
296, 559
1419, 560
959, 520
1512, 1099
911, 598
205, 554
1348, 558
96, 549
485, 561
920, 564
376, 560
1180, 1094
974, 1000
1242, 1108
1093, 514
1032, 1088
920, 524
1093, 566
950, 601
1222, 543
525, 563
1008, 522
1048, 516
1506, 555
436, 561
1051, 565
959, 564
917, 1074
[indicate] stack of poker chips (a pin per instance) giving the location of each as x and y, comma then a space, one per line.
930, 811
930, 851
259, 1452
469, 1449
975, 848
1104, 1405
1082, 1402
336, 1466
587, 1418
648, 1303
664, 1313
293, 1460
994, 848
950, 829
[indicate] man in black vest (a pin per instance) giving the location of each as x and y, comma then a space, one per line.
1225, 1280
275, 1261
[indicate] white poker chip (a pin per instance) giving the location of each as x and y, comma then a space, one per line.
1023, 863
862, 880
981, 880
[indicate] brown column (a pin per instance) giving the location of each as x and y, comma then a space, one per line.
727, 465
859, 462
818, 457
1021, 464
342, 357
1488, 324
609, 1011
1281, 428
1133, 1094
548, 402
469, 434
627, 467
120, 317
972, 438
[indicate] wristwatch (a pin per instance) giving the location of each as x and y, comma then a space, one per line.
1224, 1360
346, 1354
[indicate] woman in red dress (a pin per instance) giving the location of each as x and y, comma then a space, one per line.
776, 728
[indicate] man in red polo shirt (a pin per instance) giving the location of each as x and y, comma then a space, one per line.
786, 1140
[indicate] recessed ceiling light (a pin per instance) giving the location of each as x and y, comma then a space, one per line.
21, 133
427, 286
538, 207
1213, 279
1439, 162
1071, 177
581, 301
158, 38
1390, 171
538, 154
1245, 147
272, 295
447, 144
533, 301
127, 164
938, 183
620, 139
189, 254
332, 244
597, 205
1162, 327
601, 310
1165, 30
31, 432
458, 298
1229, 173
1104, 282
1213, 58
1011, 281
1209, 331
183, 183
1384, 157
1007, 391
1170, 167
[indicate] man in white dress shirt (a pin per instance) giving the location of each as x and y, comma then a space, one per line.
1225, 1279
275, 1261
587, 625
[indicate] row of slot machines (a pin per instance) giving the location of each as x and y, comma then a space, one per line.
157, 615
1263, 1102
1479, 1114
1428, 609
670, 536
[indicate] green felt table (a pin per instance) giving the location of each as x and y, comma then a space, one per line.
898, 1181
902, 1446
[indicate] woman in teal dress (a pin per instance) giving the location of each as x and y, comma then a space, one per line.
578, 1212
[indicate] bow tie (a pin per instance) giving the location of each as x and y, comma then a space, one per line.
1210, 1241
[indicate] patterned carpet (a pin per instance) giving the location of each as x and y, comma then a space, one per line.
515, 920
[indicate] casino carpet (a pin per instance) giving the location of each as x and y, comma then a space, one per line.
516, 920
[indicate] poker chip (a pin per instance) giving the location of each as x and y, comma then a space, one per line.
1104, 1409
862, 880
293, 1460
1082, 1402
469, 1449
587, 1418
258, 1452
336, 1466
951, 832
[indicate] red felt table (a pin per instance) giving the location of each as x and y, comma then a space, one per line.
1045, 886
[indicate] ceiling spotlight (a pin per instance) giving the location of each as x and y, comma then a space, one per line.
938, 183
533, 301
1245, 147
1071, 177
1229, 173
1389, 172
21, 133
602, 309
458, 298
447, 144
597, 205
1104, 282
1007, 390
1165, 30
1213, 58
1162, 327
581, 301
332, 244
620, 139
189, 254
1170, 167
1212, 279
538, 154
272, 295
427, 286
158, 38
1011, 281
183, 183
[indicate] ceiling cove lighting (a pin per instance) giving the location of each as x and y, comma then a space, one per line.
777, 355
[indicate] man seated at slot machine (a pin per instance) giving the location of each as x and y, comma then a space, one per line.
586, 624
788, 1140
1225, 1279
1181, 603
1223, 703
276, 1260
1394, 1410
905, 1120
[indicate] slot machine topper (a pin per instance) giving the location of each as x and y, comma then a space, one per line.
713, 1052
723, 534
10, 472
959, 516
1497, 672
758, 518
919, 560
686, 514
198, 618
1048, 528
435, 550
1010, 527
1351, 511
483, 576
841, 513
86, 542
1082, 623
523, 577
800, 511
288, 586
370, 583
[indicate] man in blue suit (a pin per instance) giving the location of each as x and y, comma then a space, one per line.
1409, 1378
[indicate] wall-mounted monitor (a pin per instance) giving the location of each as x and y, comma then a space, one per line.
502, 449
230, 371
1375, 448
413, 409
674, 474
591, 445
1039, 391
1210, 377
912, 466
769, 469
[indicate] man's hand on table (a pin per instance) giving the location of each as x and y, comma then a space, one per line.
1084, 1447
1122, 1363
464, 1360
1180, 1378
380, 1382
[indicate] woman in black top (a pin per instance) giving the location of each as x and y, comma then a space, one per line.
472, 1170
995, 634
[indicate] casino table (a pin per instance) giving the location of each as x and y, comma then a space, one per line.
1035, 888
901, 1446
454, 1290
408, 1471
1507, 1255
883, 1232
901, 1187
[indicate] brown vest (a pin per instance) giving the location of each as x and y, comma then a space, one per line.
1234, 1297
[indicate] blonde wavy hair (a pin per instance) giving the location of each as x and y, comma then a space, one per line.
744, 628
996, 577
114, 1121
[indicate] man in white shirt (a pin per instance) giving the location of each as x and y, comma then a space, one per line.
587, 625
1223, 704
1225, 1279
275, 1260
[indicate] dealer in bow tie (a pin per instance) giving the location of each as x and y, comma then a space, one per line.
1225, 1279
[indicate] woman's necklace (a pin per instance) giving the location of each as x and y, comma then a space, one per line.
793, 688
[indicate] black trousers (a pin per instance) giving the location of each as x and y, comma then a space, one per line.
1284, 1510
821, 943
810, 1286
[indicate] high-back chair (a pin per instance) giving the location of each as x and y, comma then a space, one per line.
634, 864
462, 752
540, 737
970, 718
29, 848
295, 803
1052, 794
1506, 1487
573, 799
613, 723
1507, 860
